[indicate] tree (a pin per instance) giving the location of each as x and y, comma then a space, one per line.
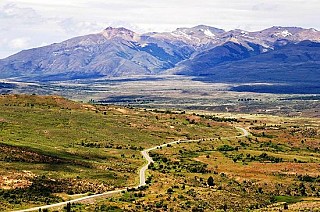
210, 181
183, 187
170, 191
68, 207
302, 189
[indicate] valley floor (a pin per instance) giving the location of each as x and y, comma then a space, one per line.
53, 149
180, 92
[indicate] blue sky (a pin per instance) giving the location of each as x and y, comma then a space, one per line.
32, 23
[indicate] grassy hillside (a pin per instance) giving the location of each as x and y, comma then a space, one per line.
52, 148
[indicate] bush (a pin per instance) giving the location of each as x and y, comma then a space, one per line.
308, 178
107, 208
225, 148
210, 181
170, 191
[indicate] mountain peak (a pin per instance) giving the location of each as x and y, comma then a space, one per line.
292, 30
205, 27
313, 30
201, 28
120, 32
110, 28
122, 52
200, 34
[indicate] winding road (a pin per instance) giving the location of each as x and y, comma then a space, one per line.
142, 175
245, 132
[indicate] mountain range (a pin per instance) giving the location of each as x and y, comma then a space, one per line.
276, 54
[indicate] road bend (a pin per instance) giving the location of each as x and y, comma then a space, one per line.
142, 175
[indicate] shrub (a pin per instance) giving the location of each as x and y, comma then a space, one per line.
210, 181
170, 191
225, 148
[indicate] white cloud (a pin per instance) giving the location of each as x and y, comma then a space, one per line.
70, 25
265, 6
19, 43
54, 21
15, 14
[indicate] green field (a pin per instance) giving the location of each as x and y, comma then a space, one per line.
277, 166
51, 146
53, 150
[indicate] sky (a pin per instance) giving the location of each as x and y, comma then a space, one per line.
28, 24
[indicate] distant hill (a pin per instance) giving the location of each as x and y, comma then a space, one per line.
276, 54
233, 63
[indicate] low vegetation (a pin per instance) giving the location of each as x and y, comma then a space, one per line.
275, 168
53, 149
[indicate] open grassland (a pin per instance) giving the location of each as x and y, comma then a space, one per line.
52, 148
276, 167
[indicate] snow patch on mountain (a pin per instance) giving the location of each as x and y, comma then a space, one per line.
208, 33
181, 34
285, 33
144, 45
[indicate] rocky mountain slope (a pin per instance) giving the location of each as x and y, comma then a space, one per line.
199, 51
113, 52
